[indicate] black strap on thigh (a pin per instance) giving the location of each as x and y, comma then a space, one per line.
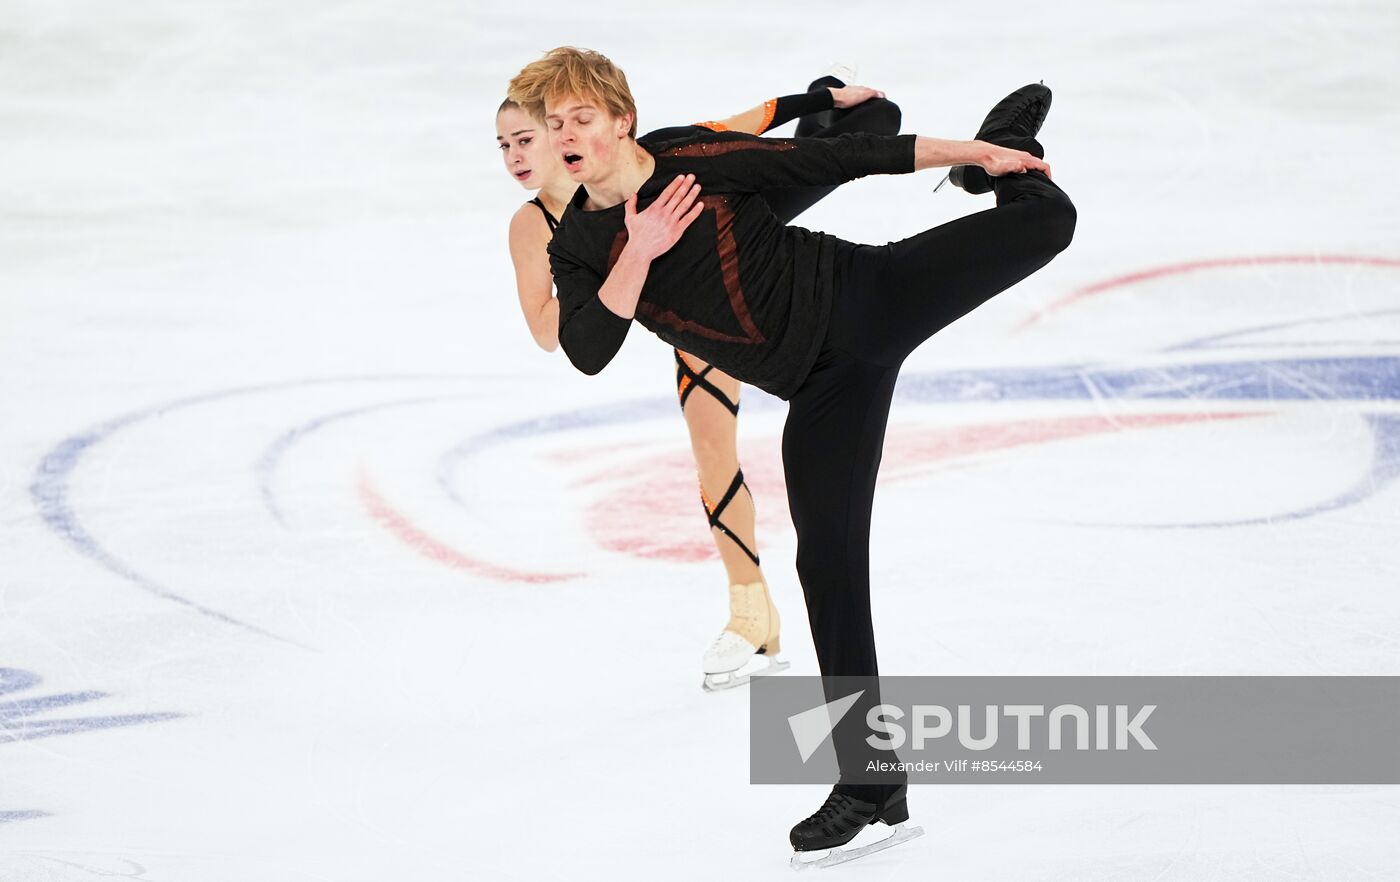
687, 381
713, 512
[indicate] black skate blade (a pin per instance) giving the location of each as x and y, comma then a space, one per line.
835, 856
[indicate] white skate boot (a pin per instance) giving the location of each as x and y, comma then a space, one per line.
748, 646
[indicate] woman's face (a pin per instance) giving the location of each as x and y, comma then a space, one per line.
525, 149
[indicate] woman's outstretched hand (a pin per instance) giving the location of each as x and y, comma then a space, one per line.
850, 96
998, 161
653, 231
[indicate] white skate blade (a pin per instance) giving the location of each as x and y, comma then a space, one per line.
834, 856
741, 677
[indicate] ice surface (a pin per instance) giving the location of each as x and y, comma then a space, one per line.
313, 567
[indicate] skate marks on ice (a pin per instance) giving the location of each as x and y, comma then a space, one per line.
1326, 358
1259, 395
1328, 352
1186, 273
25, 865
71, 486
52, 494
1234, 370
1367, 386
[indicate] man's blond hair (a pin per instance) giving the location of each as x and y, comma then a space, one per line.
572, 71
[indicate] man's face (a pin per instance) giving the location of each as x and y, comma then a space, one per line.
585, 136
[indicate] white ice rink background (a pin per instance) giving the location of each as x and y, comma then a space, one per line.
313, 567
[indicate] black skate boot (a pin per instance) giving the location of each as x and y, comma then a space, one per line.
843, 816
1014, 122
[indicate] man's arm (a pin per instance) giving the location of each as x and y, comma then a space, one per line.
595, 314
938, 153
589, 333
734, 161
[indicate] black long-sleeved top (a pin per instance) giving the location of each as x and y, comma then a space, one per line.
739, 289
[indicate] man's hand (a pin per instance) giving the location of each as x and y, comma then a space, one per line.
850, 96
652, 232
1000, 161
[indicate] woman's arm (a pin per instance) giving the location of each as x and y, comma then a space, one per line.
754, 121
735, 162
529, 239
776, 111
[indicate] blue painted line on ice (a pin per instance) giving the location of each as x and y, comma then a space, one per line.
1383, 471
1361, 378
1213, 341
1352, 379
1355, 379
17, 721
25, 707
27, 730
272, 456
635, 410
7, 817
16, 680
1371, 378
50, 491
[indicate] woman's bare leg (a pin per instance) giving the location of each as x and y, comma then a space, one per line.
710, 400
713, 426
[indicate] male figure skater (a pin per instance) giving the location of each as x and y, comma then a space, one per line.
671, 235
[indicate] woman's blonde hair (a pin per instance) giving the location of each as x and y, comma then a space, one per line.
572, 71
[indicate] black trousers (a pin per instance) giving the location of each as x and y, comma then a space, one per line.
888, 300
878, 116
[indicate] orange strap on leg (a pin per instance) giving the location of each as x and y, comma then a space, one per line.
688, 380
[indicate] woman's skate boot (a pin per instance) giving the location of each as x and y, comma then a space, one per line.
748, 646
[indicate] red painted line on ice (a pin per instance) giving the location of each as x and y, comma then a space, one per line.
403, 529
653, 510
1198, 265
575, 456
947, 444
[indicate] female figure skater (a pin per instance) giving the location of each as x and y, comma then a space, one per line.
828, 108
669, 233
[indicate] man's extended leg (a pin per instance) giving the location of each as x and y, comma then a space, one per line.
878, 116
891, 298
